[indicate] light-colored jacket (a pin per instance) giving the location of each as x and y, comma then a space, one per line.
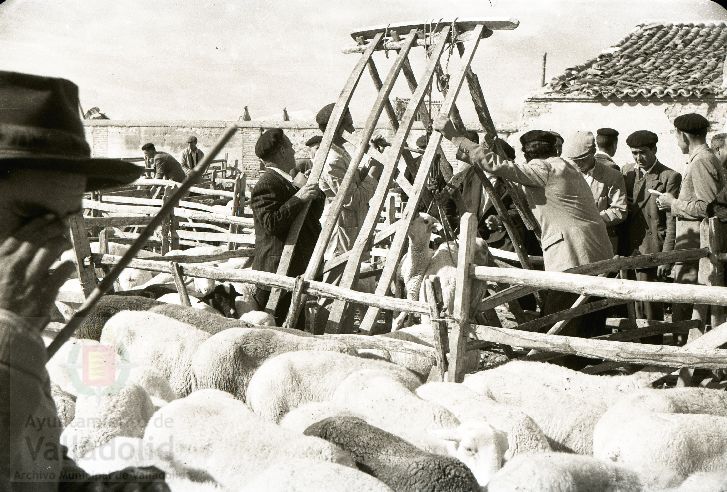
355, 206
573, 232
32, 457
609, 192
191, 159
704, 178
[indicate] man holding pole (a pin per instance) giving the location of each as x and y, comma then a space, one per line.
45, 168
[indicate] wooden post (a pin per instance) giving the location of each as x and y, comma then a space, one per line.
434, 298
238, 204
296, 300
103, 248
82, 250
179, 282
630, 307
461, 324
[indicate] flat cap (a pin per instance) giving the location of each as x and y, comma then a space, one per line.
537, 136
607, 132
314, 140
191, 139
556, 135
579, 144
422, 141
268, 142
692, 123
642, 138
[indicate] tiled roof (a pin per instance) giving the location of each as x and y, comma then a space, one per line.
655, 61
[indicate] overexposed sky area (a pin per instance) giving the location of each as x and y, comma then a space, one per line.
205, 60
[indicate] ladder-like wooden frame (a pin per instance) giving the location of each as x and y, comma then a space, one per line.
369, 41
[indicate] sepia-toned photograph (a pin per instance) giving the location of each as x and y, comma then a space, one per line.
380, 246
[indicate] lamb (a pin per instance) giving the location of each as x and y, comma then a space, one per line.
391, 406
117, 411
419, 262
288, 380
304, 476
565, 404
523, 434
562, 472
397, 463
228, 359
108, 306
211, 434
652, 442
156, 341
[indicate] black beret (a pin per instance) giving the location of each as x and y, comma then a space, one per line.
538, 136
268, 142
422, 141
607, 132
314, 140
557, 136
692, 123
642, 138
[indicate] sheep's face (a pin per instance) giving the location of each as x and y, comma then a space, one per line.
422, 226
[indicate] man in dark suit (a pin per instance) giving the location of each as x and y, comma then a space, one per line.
275, 201
647, 229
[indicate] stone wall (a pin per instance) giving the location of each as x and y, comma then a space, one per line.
121, 138
567, 115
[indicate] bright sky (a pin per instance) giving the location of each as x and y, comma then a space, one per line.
204, 59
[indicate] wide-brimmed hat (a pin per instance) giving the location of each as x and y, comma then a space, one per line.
41, 128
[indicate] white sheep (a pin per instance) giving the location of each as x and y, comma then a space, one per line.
703, 482
288, 380
153, 340
390, 405
564, 403
654, 442
523, 434
562, 472
307, 414
154, 383
419, 262
98, 418
130, 278
257, 318
211, 434
305, 476
65, 369
228, 359
674, 400
193, 301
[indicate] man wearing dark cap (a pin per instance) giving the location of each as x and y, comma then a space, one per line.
703, 180
165, 166
191, 155
607, 143
275, 202
647, 229
558, 142
606, 183
45, 169
718, 145
573, 232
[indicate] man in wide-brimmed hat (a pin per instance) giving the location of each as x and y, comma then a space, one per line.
45, 168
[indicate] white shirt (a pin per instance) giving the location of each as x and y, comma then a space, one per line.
283, 174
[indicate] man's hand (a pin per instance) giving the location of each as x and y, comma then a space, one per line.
444, 126
664, 201
380, 142
493, 223
300, 179
308, 192
663, 271
28, 287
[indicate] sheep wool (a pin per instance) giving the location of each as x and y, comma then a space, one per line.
109, 305
395, 462
562, 472
228, 359
288, 380
65, 404
121, 411
305, 476
307, 414
213, 435
152, 340
202, 320
193, 301
258, 318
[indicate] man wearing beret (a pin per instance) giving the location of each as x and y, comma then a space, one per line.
558, 142
45, 169
165, 166
703, 180
191, 155
573, 232
606, 183
275, 202
607, 143
647, 229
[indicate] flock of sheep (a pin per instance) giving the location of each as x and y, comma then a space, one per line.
226, 403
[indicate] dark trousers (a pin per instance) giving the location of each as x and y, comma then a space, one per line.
262, 296
648, 310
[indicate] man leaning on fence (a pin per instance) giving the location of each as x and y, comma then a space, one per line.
276, 200
45, 168
191, 156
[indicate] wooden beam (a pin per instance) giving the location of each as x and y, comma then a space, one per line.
82, 252
439, 327
179, 283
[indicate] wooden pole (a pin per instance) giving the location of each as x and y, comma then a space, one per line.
439, 327
136, 246
462, 298
238, 203
82, 251
179, 282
